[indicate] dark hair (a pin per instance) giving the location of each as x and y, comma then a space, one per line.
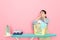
43, 11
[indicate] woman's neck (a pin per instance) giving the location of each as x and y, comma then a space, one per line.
43, 17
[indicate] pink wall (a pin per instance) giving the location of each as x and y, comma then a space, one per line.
19, 14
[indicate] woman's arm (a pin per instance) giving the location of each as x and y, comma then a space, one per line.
38, 17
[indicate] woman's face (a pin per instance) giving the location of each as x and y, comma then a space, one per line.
42, 14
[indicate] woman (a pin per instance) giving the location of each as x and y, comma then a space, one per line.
41, 25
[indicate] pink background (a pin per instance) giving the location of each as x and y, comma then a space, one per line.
19, 14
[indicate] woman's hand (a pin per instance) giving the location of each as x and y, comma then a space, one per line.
38, 17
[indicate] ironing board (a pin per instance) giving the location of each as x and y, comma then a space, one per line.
32, 36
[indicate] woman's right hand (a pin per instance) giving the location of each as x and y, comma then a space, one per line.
38, 17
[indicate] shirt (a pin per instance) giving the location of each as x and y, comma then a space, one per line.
43, 23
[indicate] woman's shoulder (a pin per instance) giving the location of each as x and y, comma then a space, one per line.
47, 19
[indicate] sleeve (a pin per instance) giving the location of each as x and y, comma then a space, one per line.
34, 22
46, 21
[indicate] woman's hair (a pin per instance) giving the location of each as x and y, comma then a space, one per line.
43, 11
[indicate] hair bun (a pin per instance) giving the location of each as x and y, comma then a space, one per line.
45, 16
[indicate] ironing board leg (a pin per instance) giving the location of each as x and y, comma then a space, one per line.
16, 38
31, 38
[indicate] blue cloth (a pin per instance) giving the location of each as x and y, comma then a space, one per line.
42, 25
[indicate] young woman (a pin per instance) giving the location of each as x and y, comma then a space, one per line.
41, 25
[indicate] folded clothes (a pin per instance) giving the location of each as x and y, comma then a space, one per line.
17, 33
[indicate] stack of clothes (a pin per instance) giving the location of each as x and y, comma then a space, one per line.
17, 33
